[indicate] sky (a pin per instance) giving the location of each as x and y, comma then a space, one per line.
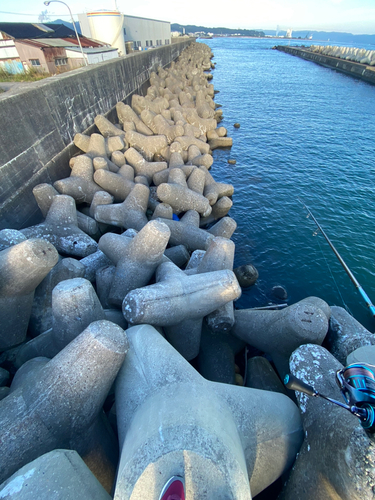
354, 16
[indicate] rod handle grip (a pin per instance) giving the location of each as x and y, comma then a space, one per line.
293, 383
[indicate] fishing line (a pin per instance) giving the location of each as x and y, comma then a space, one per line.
353, 279
333, 278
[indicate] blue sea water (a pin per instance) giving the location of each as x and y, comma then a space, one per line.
306, 132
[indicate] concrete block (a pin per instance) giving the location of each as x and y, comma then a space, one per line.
118, 158
204, 125
139, 103
61, 473
187, 234
163, 211
41, 312
196, 180
262, 435
97, 146
142, 166
116, 185
147, 145
261, 375
337, 456
177, 298
279, 333
221, 142
216, 358
170, 131
182, 199
104, 278
187, 140
10, 237
224, 228
129, 214
80, 185
178, 255
106, 128
219, 209
94, 262
74, 306
62, 400
365, 354
346, 334
219, 255
139, 260
214, 190
126, 114
22, 268
177, 176
60, 228
82, 141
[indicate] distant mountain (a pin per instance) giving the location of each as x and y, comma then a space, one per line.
332, 36
191, 28
68, 25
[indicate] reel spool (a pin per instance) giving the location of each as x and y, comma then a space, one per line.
357, 385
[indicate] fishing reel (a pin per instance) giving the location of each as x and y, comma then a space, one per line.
357, 385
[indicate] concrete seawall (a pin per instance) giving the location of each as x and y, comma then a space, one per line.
38, 124
356, 70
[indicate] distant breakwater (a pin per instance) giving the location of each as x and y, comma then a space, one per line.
334, 59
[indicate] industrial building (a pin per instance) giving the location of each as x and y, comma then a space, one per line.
49, 47
116, 29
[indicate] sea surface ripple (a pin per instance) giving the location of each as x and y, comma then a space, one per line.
307, 132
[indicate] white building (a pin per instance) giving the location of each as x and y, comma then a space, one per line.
116, 29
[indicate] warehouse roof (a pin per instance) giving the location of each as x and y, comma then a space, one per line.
36, 30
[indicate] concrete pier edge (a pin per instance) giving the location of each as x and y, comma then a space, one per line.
354, 69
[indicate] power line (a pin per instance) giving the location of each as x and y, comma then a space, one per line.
34, 15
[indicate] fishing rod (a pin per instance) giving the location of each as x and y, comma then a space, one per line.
342, 262
357, 386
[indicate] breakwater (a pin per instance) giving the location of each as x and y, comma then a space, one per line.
139, 305
39, 123
358, 70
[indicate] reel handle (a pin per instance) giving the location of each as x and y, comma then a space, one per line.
293, 383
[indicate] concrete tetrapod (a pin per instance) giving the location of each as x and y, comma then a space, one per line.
188, 235
219, 255
60, 228
74, 306
279, 333
337, 458
129, 214
147, 145
41, 313
139, 260
182, 199
22, 268
217, 436
64, 398
179, 302
80, 185
142, 166
346, 334
62, 472
97, 445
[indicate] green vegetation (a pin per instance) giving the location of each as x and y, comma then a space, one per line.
26, 76
190, 28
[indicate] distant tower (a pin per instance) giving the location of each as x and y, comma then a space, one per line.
277, 30
289, 33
